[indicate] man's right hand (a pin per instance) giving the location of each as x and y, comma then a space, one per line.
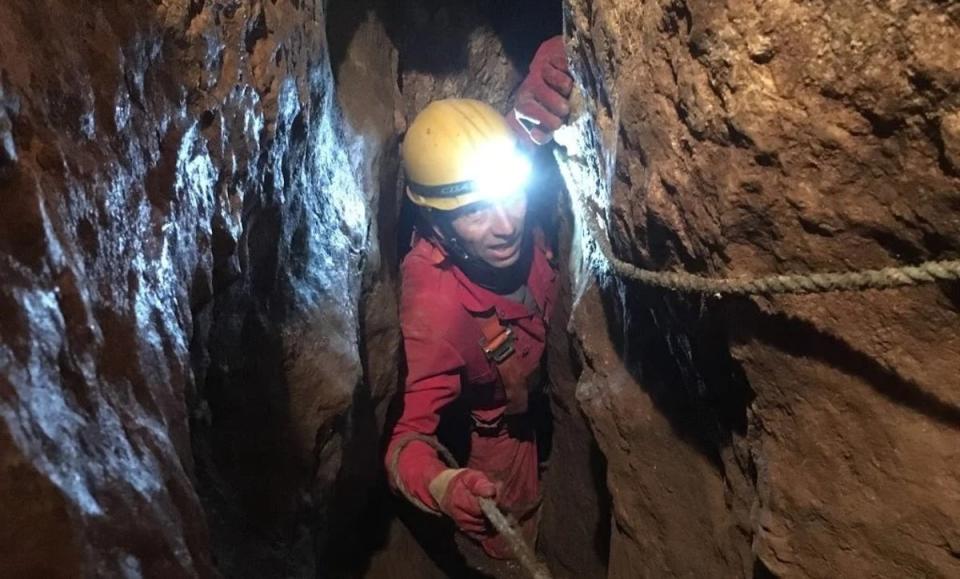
457, 492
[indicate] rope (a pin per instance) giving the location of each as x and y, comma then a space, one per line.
524, 553
796, 283
577, 170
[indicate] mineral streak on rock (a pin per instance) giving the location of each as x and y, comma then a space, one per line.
799, 436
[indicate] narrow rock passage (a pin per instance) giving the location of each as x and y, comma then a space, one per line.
202, 221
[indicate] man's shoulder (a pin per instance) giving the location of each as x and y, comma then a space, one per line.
422, 255
421, 271
429, 293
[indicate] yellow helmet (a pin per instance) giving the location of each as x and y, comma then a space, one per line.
460, 151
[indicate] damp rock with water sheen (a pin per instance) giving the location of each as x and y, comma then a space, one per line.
185, 243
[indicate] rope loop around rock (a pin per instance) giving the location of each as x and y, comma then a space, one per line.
796, 283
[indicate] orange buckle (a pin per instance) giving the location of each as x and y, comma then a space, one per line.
499, 348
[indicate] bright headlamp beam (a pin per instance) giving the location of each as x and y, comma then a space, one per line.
500, 171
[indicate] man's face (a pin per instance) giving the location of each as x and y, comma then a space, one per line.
492, 232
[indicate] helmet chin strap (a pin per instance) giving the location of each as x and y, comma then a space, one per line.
500, 280
452, 244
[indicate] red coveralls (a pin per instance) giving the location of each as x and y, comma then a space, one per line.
442, 340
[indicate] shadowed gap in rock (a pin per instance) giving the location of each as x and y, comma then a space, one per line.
520, 27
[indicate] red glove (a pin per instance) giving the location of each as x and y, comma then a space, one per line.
542, 102
456, 492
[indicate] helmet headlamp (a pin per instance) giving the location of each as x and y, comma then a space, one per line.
499, 171
460, 151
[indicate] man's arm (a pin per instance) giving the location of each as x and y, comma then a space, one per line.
433, 382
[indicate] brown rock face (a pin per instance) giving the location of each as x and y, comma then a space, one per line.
199, 240
799, 436
188, 234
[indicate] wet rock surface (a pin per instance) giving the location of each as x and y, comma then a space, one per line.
188, 243
199, 336
200, 228
794, 436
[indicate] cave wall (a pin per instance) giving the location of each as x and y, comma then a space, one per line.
198, 332
809, 436
191, 277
